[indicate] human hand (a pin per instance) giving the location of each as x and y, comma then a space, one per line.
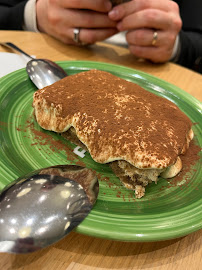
59, 18
142, 19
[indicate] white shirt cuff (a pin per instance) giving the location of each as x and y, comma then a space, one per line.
176, 50
30, 23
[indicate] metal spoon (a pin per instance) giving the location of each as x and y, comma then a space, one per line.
42, 207
42, 72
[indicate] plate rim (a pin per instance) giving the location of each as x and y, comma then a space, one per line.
82, 228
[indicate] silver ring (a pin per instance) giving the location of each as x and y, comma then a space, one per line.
155, 37
76, 35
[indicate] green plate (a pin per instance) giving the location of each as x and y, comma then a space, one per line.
167, 211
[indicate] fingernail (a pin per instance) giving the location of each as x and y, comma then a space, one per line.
113, 14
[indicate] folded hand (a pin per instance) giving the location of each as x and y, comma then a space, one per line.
152, 27
59, 18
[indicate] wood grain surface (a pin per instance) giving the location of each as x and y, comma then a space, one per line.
81, 252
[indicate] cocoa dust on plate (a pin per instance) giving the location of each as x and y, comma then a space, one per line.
41, 139
189, 159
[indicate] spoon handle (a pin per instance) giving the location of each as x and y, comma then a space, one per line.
13, 46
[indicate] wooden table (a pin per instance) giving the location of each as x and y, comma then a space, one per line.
88, 253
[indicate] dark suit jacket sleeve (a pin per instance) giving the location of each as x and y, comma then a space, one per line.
191, 33
11, 14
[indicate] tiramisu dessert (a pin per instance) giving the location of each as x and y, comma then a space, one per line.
139, 134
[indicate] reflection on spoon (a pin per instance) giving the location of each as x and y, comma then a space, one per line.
42, 207
42, 72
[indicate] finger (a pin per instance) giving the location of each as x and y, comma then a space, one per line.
97, 5
123, 10
86, 36
90, 36
152, 18
144, 37
155, 54
88, 19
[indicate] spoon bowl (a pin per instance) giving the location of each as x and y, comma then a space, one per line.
44, 206
42, 72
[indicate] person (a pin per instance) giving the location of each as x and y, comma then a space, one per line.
157, 30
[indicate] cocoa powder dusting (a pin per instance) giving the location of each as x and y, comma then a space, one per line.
3, 125
115, 118
40, 138
189, 159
